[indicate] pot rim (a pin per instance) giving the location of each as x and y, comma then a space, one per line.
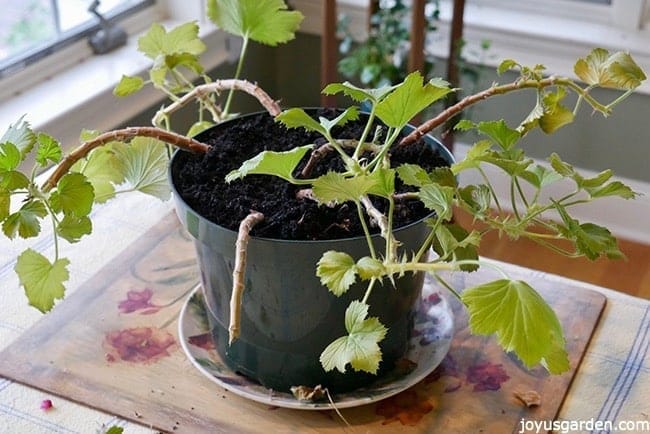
445, 154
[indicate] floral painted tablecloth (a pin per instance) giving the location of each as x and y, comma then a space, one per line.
611, 384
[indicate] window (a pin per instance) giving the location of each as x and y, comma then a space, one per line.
33, 29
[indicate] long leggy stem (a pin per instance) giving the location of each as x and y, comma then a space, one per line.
120, 135
241, 244
226, 108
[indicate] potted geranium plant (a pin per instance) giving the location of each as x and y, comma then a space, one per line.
366, 183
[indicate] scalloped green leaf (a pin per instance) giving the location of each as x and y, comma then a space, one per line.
72, 228
616, 70
357, 93
181, 39
280, 164
384, 182
5, 204
614, 188
42, 280
438, 199
521, 320
414, 175
128, 85
145, 166
264, 21
298, 118
360, 348
336, 188
454, 243
13, 180
408, 99
369, 268
337, 271
26, 221
48, 149
74, 195
506, 65
104, 170
21, 135
10, 156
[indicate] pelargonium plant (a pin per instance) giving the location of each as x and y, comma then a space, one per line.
510, 309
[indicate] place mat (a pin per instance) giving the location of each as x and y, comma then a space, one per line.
113, 345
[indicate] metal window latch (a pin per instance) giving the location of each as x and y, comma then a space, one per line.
108, 37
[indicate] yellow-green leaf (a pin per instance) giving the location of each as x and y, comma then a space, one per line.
128, 85
145, 166
74, 195
521, 320
360, 348
337, 271
42, 280
264, 21
26, 221
280, 164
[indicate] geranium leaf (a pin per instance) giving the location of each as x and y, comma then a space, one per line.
281, 164
74, 195
298, 118
453, 243
499, 132
349, 114
25, 222
198, 127
72, 228
21, 135
614, 188
408, 99
10, 156
13, 180
128, 85
589, 239
555, 115
414, 175
617, 70
336, 188
384, 182
368, 268
540, 176
49, 149
182, 39
5, 204
104, 170
337, 271
521, 320
42, 280
264, 21
438, 199
360, 348
357, 93
145, 166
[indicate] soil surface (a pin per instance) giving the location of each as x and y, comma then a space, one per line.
199, 179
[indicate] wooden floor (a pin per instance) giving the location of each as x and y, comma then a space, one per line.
631, 276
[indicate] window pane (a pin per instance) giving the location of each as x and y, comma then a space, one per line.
25, 25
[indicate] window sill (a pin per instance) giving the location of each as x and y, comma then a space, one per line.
81, 96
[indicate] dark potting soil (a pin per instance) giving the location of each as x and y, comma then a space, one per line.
200, 181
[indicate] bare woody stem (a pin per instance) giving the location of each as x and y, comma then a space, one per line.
241, 245
461, 105
200, 92
82, 151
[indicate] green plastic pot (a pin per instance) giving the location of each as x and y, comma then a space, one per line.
287, 316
